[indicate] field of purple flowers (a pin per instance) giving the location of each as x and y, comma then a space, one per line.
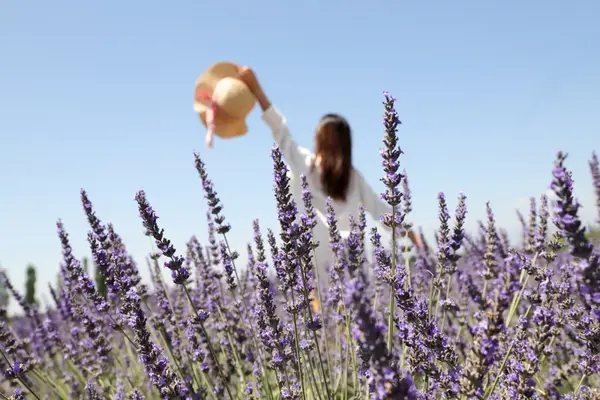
473, 317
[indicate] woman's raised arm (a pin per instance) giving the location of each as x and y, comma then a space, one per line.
297, 158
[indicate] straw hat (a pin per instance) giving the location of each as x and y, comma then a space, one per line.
222, 101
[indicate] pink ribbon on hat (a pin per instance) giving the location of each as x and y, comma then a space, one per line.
211, 115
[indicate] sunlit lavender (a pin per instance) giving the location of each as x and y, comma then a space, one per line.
471, 316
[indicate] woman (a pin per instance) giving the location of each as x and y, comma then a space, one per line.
328, 170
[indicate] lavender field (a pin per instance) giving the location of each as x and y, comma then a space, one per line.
471, 316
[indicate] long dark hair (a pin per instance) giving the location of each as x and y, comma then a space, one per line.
333, 145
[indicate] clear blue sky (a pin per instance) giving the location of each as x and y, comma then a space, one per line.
99, 95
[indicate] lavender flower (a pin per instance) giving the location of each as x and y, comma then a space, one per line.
384, 380
90, 389
290, 234
567, 219
531, 231
179, 274
214, 203
227, 264
595, 170
156, 365
18, 394
76, 274
390, 155
476, 316
407, 207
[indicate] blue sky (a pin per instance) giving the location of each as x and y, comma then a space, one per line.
99, 95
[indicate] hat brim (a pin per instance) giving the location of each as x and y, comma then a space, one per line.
226, 128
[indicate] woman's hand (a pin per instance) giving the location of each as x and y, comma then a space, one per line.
247, 75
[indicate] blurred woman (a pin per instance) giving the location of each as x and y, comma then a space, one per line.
328, 170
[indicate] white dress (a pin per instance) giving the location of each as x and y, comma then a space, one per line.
299, 161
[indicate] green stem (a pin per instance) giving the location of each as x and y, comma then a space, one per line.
403, 355
431, 297
408, 281
175, 326
297, 342
314, 383
392, 299
515, 302
350, 344
208, 343
209, 386
48, 381
407, 263
19, 378
376, 300
543, 357
447, 296
252, 331
118, 361
24, 383
489, 392
345, 376
484, 291
314, 334
170, 351
579, 385
437, 301
236, 356
324, 320
237, 278
504, 360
